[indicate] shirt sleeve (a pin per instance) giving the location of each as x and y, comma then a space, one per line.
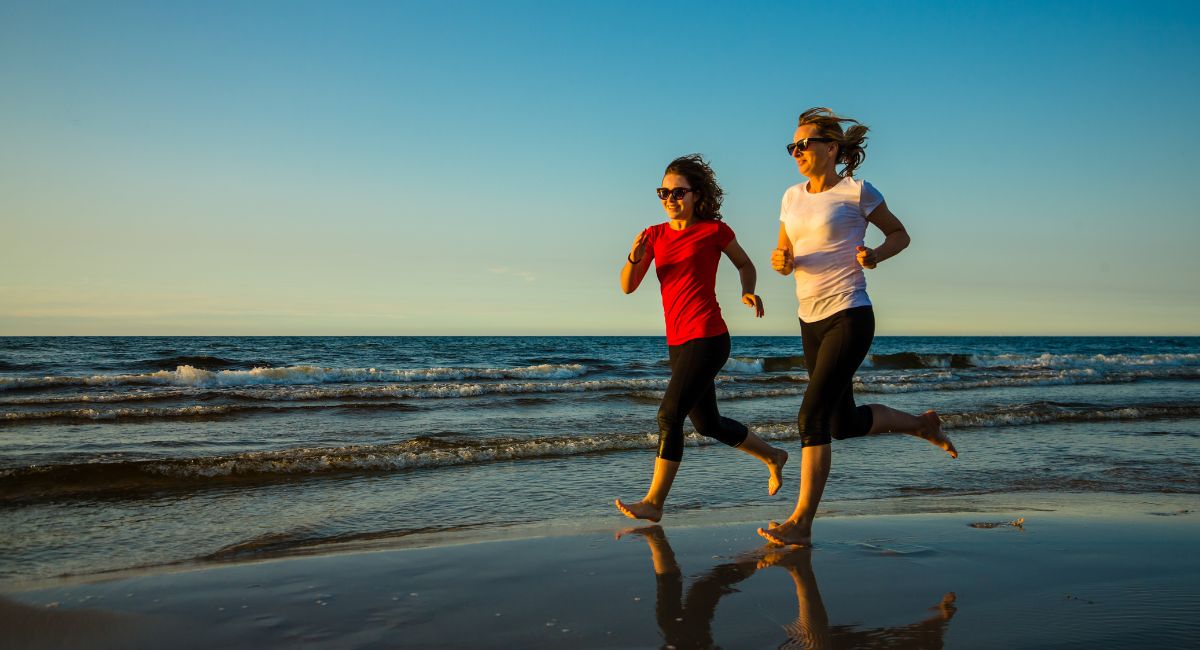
724, 235
869, 199
651, 233
783, 207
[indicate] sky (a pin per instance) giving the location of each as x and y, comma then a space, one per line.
481, 168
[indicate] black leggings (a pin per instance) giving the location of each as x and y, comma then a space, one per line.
834, 348
691, 394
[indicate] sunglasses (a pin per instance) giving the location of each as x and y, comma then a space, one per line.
677, 193
802, 145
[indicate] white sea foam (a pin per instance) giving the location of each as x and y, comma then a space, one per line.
1093, 361
100, 398
442, 391
1027, 414
421, 453
744, 365
444, 452
729, 386
297, 375
117, 414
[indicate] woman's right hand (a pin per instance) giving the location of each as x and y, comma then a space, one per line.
638, 249
782, 262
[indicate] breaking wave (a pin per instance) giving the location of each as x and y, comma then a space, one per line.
187, 375
82, 479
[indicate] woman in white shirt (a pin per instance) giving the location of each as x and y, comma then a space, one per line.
821, 243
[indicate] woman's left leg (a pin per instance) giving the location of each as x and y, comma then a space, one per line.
691, 376
851, 421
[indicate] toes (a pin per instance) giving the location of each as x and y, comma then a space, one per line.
624, 509
769, 537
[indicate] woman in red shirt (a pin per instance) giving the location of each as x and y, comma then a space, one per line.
686, 250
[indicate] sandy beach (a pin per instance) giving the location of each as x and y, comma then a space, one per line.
1079, 571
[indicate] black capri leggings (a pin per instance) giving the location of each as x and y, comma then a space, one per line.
691, 394
834, 348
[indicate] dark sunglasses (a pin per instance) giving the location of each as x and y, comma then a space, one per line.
802, 145
677, 193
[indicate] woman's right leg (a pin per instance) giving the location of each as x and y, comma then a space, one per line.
707, 419
709, 422
927, 426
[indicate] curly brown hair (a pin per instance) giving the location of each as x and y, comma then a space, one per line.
703, 180
852, 143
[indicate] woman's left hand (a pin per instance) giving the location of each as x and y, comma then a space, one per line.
754, 302
866, 257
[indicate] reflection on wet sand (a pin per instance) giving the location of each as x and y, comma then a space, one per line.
811, 629
686, 622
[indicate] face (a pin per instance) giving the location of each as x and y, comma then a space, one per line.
819, 157
678, 209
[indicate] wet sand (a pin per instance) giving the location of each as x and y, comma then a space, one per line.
1101, 572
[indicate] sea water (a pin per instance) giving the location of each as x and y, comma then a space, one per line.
143, 451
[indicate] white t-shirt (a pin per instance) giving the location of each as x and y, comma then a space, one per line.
825, 229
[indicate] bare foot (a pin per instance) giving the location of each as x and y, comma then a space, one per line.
787, 534
639, 510
931, 430
776, 466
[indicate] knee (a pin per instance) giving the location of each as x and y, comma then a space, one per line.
670, 436
814, 426
853, 423
733, 432
670, 447
669, 421
726, 430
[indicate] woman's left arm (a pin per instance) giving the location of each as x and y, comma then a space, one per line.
748, 276
895, 238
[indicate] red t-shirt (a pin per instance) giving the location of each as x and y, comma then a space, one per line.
686, 262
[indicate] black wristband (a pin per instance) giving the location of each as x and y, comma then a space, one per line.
630, 259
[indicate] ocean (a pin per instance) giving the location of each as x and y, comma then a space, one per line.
128, 452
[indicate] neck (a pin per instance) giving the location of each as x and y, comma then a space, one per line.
680, 224
823, 181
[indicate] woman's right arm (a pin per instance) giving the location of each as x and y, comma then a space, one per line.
636, 264
781, 257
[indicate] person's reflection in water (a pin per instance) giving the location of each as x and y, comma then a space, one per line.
687, 622
811, 629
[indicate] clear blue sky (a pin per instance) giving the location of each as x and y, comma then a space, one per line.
481, 168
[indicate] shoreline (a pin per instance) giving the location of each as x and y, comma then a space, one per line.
1062, 504
1093, 570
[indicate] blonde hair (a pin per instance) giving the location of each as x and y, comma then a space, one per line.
852, 142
